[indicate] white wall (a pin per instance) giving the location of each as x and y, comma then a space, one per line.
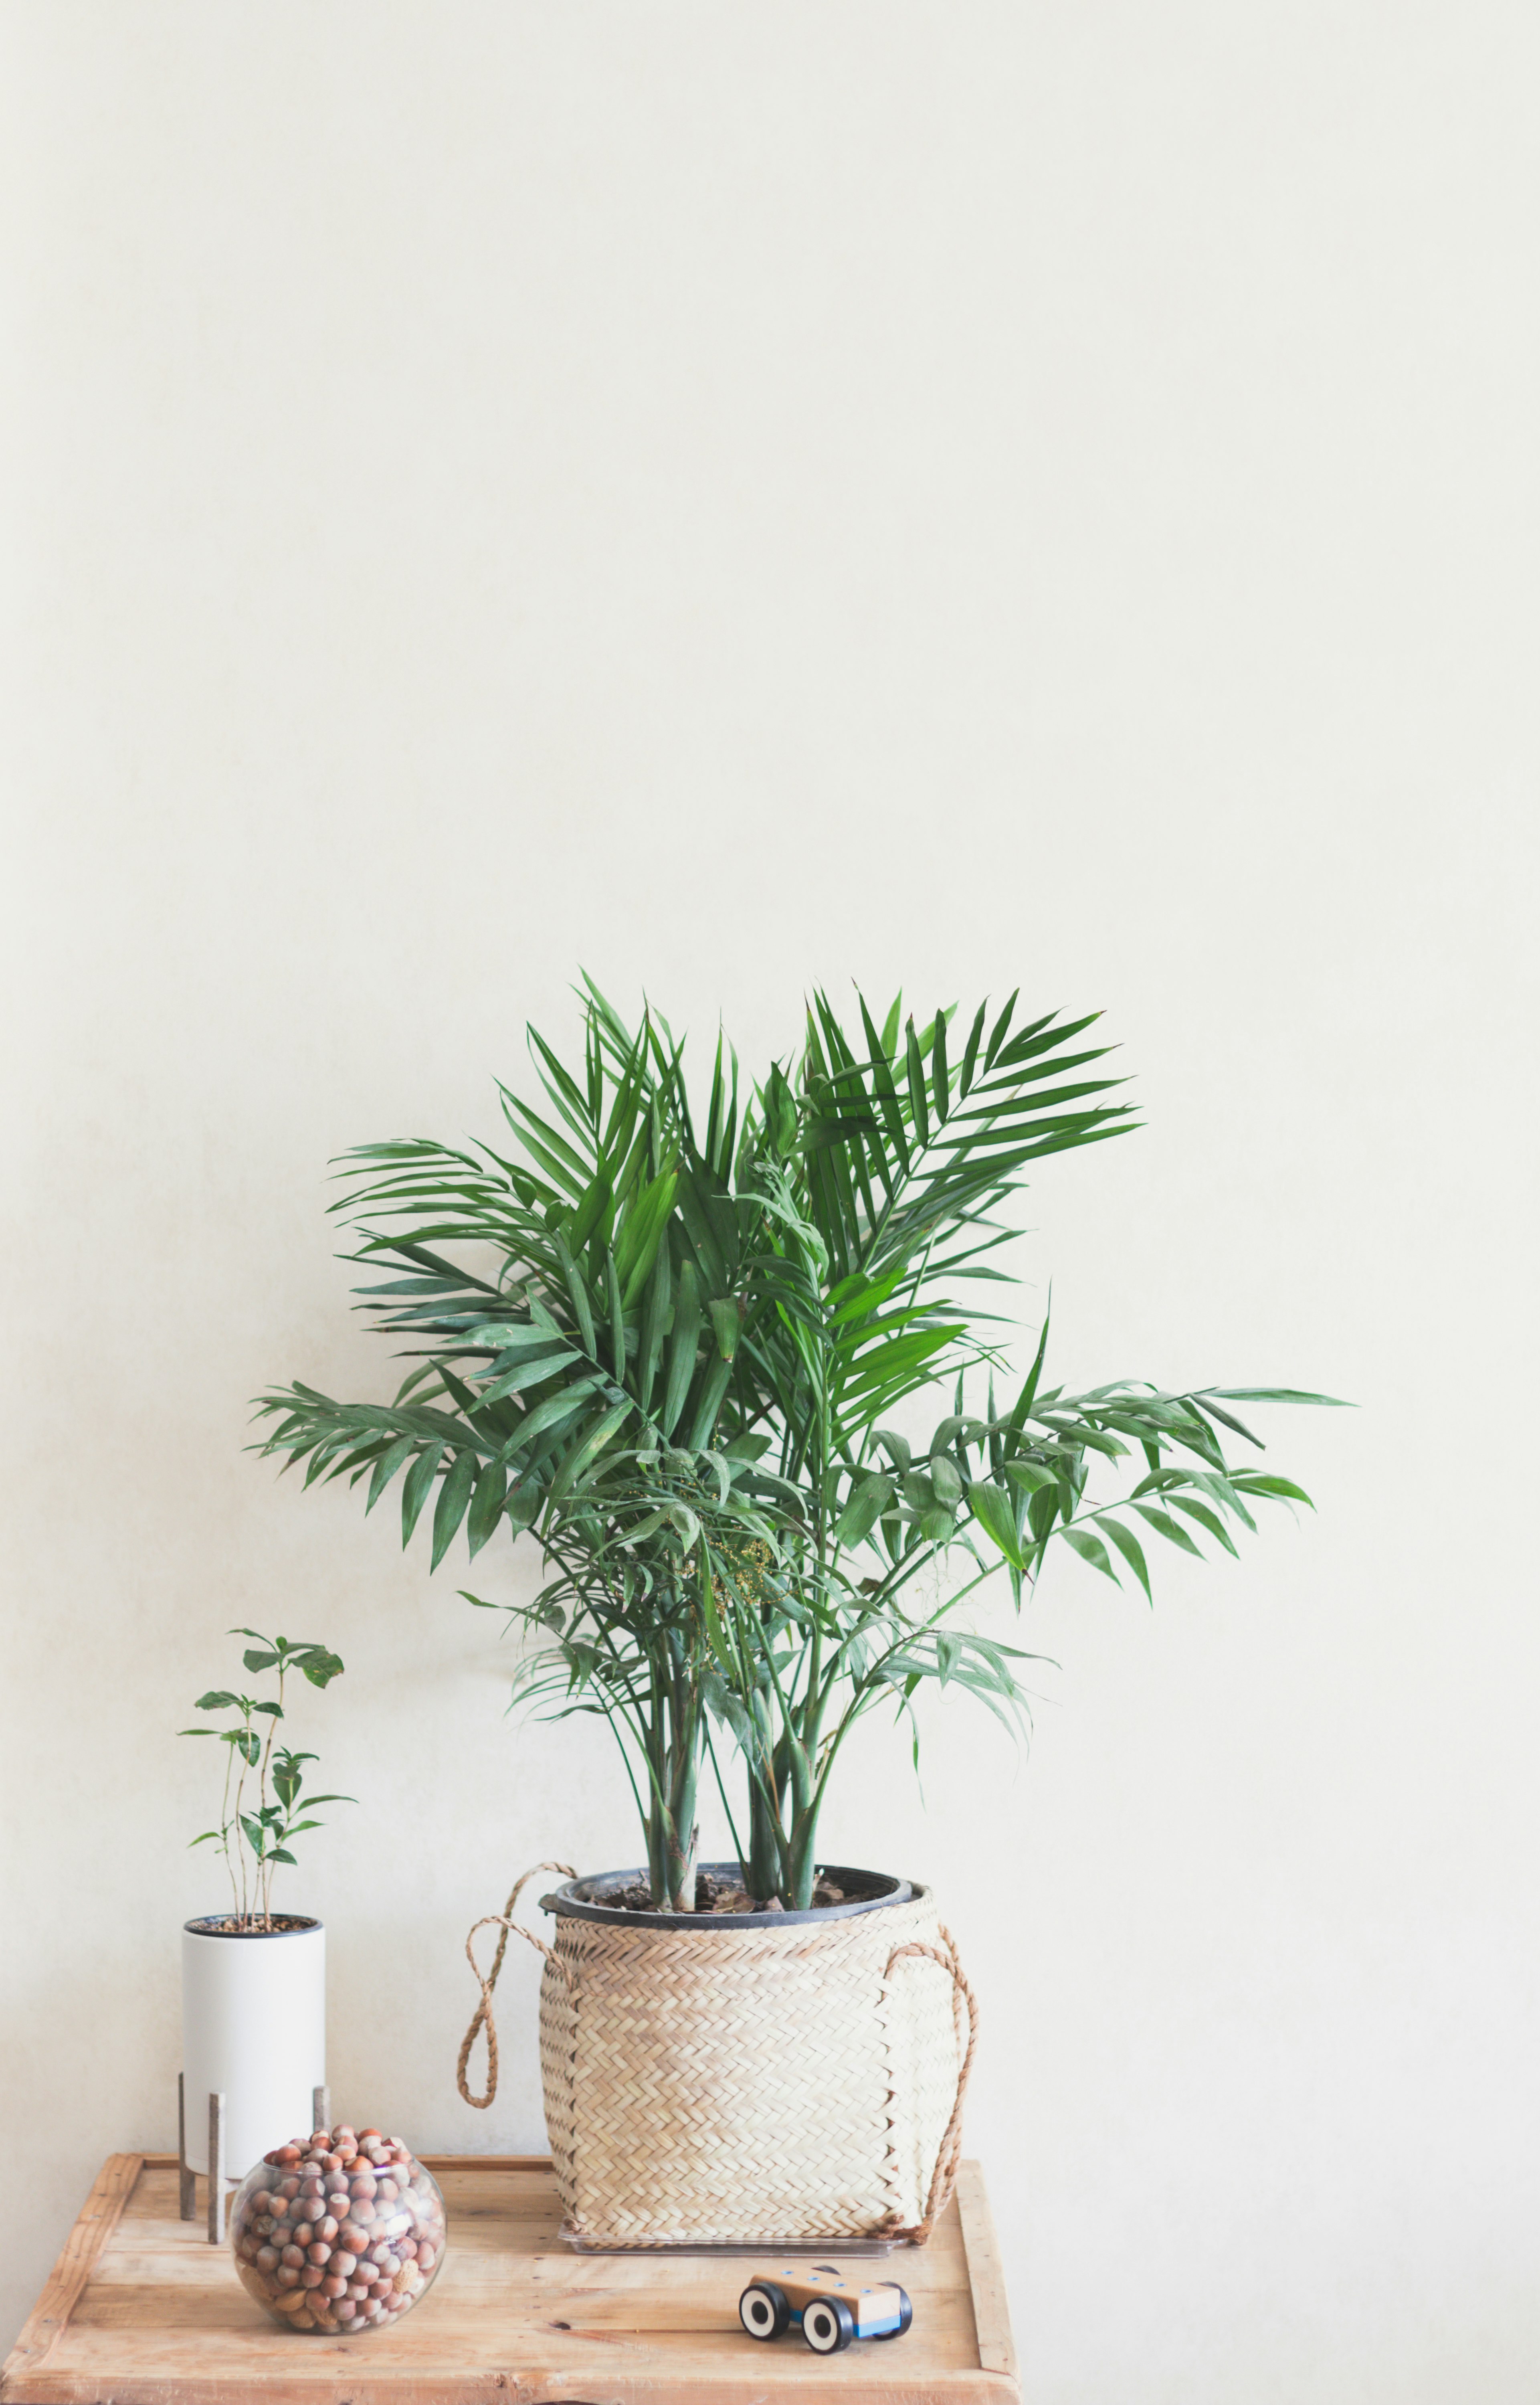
736, 497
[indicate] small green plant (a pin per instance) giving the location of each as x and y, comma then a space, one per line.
254, 1831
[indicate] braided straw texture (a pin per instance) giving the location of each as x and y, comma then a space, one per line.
724, 2089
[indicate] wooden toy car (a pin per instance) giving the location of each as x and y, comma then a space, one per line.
829, 2310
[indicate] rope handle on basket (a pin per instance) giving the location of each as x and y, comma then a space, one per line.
944, 2177
505, 1922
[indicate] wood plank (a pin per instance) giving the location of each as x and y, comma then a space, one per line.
435, 2162
150, 2314
530, 2174
986, 2273
846, 2379
94, 2224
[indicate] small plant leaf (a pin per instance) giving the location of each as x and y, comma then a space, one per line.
992, 1510
453, 1503
1170, 1529
486, 1506
866, 1505
1092, 1550
419, 1479
1128, 1546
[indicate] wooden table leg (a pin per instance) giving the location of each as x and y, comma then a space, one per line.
216, 2169
187, 2182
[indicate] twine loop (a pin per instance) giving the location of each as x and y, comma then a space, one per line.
483, 2016
948, 2155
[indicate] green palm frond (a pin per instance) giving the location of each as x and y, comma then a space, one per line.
674, 1342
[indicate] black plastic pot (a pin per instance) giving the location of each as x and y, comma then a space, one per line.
582, 1899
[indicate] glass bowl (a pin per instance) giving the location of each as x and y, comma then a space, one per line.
339, 2232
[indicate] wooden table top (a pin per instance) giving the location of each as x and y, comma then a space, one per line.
141, 2310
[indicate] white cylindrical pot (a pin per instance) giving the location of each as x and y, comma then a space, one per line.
253, 2030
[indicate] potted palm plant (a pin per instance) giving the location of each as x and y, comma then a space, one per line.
683, 1373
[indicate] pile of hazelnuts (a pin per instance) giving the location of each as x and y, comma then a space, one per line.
339, 2231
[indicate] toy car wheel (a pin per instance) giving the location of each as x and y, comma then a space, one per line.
763, 2310
828, 2324
905, 2313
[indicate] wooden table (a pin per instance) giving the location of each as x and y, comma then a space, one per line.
141, 2310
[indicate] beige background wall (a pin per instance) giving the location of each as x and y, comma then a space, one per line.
734, 496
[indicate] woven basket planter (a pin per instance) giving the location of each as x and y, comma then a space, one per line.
712, 2083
